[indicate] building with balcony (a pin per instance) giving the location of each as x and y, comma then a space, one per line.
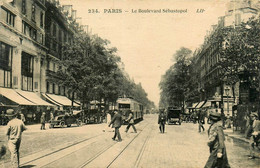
58, 32
22, 51
32, 33
207, 57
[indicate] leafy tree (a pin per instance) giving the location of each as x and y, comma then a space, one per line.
239, 53
175, 82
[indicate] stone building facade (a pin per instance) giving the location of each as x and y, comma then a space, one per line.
31, 39
207, 58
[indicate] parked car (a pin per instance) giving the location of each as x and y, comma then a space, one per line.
173, 115
65, 120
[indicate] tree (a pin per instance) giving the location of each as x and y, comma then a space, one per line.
175, 82
239, 53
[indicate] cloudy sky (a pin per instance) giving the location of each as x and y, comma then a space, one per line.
146, 42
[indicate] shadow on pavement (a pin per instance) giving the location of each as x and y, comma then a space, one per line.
27, 166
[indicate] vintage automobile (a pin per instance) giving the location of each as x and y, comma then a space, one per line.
173, 115
65, 120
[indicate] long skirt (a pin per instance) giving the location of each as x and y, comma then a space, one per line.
214, 162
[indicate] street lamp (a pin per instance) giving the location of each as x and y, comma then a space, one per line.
227, 93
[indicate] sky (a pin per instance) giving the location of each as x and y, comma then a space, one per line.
146, 42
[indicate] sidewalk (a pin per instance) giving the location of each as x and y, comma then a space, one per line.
235, 135
239, 136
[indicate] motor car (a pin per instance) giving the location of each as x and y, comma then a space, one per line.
65, 120
173, 115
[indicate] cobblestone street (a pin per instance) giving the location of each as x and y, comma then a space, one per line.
181, 146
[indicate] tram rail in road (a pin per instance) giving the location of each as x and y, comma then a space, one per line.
88, 151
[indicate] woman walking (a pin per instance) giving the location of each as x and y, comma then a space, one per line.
218, 156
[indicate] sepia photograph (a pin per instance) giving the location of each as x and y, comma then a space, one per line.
129, 83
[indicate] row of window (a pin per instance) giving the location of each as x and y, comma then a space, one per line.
10, 17
27, 69
26, 28
59, 34
55, 89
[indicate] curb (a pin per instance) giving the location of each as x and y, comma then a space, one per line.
237, 138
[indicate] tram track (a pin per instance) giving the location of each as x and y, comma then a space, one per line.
59, 150
89, 161
56, 158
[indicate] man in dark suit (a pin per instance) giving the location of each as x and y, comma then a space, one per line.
116, 121
161, 121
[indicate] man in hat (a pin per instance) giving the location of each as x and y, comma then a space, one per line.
162, 121
116, 121
218, 155
15, 127
130, 121
43, 121
255, 134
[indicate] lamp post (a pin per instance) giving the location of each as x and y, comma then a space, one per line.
227, 93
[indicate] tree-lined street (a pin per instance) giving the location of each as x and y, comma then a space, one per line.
180, 146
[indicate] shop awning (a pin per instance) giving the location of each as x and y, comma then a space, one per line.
200, 104
76, 112
59, 100
33, 97
12, 95
207, 104
194, 105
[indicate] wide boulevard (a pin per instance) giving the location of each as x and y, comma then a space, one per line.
181, 146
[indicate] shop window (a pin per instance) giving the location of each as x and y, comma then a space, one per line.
27, 71
6, 53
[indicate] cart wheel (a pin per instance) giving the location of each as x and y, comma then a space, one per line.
62, 124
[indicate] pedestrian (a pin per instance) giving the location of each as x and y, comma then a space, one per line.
255, 135
228, 121
3, 119
108, 121
22, 117
218, 155
116, 121
15, 127
249, 125
201, 120
161, 121
130, 121
43, 119
51, 116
